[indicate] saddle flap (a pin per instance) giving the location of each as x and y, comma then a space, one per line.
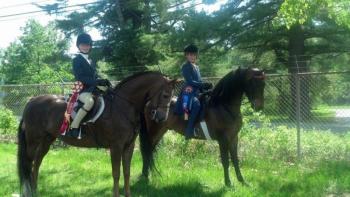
94, 113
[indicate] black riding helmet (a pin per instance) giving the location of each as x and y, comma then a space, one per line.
191, 48
84, 38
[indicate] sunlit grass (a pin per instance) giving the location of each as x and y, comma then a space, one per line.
268, 162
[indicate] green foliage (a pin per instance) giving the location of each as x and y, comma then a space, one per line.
37, 57
301, 11
8, 122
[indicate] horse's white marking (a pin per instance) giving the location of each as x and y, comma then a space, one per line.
205, 130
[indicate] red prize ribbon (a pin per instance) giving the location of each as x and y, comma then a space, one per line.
77, 87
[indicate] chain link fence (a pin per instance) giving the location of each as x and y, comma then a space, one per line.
311, 101
308, 101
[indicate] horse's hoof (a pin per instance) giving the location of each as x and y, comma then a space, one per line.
228, 184
245, 184
143, 178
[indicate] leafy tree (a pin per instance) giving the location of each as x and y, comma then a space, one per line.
290, 33
37, 57
136, 34
281, 35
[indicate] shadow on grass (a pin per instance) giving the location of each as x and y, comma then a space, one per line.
139, 188
143, 188
324, 178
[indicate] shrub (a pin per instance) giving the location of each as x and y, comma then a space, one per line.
8, 122
261, 140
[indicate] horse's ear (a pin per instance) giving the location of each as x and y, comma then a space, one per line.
173, 82
249, 74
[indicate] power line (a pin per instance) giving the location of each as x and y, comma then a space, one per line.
56, 9
22, 4
39, 14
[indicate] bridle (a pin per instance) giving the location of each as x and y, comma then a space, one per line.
261, 77
154, 108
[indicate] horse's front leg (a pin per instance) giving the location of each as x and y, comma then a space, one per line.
225, 160
148, 149
235, 160
116, 160
127, 156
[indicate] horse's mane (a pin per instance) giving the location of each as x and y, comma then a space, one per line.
134, 76
227, 87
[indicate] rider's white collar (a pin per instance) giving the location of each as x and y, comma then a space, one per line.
86, 57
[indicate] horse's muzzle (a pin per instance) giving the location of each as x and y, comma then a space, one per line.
258, 105
158, 116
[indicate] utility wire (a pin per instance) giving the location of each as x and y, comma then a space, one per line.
23, 4
38, 11
38, 14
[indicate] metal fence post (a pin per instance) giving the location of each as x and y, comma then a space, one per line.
298, 117
160, 69
62, 88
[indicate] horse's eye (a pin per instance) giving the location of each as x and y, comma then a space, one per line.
165, 96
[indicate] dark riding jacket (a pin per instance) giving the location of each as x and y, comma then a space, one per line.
85, 72
193, 79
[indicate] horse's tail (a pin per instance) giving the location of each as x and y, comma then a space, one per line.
147, 148
24, 164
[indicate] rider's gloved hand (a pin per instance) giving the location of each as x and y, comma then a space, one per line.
207, 86
103, 82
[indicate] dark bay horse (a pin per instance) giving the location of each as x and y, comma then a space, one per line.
222, 115
116, 129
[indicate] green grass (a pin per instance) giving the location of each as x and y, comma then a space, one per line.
269, 165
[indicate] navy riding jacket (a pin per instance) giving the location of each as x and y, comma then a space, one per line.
193, 79
85, 72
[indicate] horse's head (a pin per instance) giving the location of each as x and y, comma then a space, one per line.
254, 87
159, 99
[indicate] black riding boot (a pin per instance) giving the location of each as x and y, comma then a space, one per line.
189, 131
73, 132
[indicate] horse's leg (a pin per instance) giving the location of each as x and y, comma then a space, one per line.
127, 155
116, 159
148, 153
235, 160
225, 160
40, 153
26, 153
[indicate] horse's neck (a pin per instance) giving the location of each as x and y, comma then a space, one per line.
234, 104
135, 93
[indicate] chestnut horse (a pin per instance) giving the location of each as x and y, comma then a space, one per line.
222, 115
116, 129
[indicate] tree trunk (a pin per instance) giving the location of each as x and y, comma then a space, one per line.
297, 64
119, 14
147, 16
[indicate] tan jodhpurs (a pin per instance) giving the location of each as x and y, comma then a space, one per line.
86, 98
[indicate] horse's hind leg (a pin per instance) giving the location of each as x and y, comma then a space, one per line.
225, 160
40, 153
26, 153
235, 160
116, 160
127, 155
